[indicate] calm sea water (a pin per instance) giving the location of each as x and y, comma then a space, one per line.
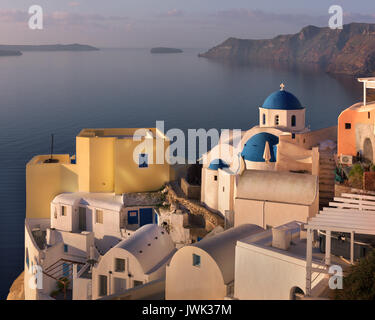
61, 93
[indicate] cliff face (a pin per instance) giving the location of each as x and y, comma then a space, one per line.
347, 51
16, 292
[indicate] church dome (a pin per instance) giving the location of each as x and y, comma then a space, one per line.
218, 164
282, 100
254, 147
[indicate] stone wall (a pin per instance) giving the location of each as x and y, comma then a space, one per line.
212, 219
190, 191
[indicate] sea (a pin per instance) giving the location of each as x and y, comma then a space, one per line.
44, 93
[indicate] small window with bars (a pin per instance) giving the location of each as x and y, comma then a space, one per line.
99, 216
196, 260
119, 265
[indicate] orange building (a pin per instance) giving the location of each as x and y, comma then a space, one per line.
356, 128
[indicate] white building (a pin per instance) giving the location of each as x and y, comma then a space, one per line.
83, 226
140, 259
272, 265
281, 142
205, 270
110, 217
50, 255
269, 198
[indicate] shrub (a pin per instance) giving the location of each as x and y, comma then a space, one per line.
359, 284
356, 176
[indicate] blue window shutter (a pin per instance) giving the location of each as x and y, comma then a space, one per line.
143, 160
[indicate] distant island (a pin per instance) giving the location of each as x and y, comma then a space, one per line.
165, 50
348, 51
54, 47
10, 53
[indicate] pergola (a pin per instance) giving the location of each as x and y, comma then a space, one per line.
350, 213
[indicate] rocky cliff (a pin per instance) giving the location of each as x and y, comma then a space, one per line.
347, 51
16, 292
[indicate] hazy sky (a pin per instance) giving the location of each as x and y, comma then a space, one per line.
179, 23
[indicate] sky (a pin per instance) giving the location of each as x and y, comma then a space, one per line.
173, 23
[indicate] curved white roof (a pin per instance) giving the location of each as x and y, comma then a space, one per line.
108, 201
285, 187
150, 245
221, 247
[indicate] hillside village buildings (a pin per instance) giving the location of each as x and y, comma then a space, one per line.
356, 135
99, 223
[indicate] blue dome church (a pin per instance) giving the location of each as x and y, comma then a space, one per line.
282, 110
272, 145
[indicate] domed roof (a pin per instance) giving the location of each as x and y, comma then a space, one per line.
218, 164
282, 100
254, 147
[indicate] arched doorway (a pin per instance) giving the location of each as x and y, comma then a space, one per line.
296, 293
367, 150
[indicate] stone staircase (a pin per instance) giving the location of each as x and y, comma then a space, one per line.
327, 166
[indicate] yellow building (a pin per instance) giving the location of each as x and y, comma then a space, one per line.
107, 160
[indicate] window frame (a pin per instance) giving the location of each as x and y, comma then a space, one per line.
293, 120
64, 210
96, 216
277, 120
100, 287
196, 260
116, 265
140, 283
144, 163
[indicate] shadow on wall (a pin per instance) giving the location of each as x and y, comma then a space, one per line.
106, 243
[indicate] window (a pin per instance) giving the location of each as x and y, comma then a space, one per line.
137, 283
276, 120
133, 217
264, 118
119, 265
143, 160
63, 210
348, 126
102, 285
293, 135
55, 213
196, 260
120, 285
27, 258
99, 216
65, 248
215, 178
368, 115
294, 121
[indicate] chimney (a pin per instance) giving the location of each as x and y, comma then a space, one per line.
281, 238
